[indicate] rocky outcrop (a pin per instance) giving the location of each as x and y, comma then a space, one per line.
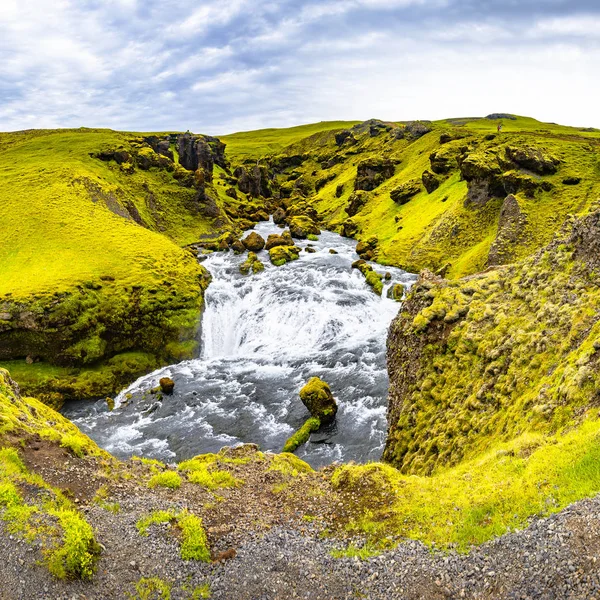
533, 159
431, 182
201, 152
355, 203
345, 137
511, 230
254, 181
349, 229
367, 249
404, 192
372, 172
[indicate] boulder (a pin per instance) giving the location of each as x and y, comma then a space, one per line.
319, 400
237, 246
301, 227
279, 216
339, 190
252, 263
443, 160
231, 192
167, 385
254, 242
349, 228
533, 159
356, 201
404, 192
372, 172
367, 249
280, 255
431, 182
285, 239
396, 292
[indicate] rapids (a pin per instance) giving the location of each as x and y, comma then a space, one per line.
262, 337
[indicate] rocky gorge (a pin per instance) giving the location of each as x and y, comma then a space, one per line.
227, 288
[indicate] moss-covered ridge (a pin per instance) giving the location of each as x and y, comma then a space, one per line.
490, 357
432, 193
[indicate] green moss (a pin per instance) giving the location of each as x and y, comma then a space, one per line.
193, 541
302, 435
204, 473
152, 588
312, 237
289, 465
168, 479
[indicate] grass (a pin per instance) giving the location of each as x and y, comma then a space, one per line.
193, 541
500, 491
252, 145
168, 479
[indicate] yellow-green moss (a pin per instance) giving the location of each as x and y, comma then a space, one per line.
167, 479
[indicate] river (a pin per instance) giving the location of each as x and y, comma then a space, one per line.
262, 337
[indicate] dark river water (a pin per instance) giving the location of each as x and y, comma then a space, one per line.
263, 337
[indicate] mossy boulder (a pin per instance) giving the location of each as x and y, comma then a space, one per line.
279, 216
367, 249
285, 239
302, 435
356, 201
533, 159
431, 181
404, 192
254, 242
372, 172
167, 385
301, 227
280, 255
372, 277
319, 400
396, 292
252, 263
349, 228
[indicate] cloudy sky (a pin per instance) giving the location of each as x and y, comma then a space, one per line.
217, 66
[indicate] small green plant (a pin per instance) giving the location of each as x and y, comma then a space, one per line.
151, 588
167, 479
193, 541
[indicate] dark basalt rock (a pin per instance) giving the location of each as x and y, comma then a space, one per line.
533, 159
344, 137
201, 151
339, 190
431, 182
372, 172
254, 181
356, 201
403, 193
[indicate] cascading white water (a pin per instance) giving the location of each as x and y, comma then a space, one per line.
263, 336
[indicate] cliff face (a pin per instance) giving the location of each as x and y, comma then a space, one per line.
484, 359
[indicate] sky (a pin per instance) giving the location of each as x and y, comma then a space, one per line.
218, 66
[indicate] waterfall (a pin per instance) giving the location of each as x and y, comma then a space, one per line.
263, 336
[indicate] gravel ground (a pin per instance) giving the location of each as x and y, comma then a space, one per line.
555, 558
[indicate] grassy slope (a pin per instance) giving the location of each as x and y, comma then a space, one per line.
72, 253
252, 145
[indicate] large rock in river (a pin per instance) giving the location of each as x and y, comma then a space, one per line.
319, 400
254, 242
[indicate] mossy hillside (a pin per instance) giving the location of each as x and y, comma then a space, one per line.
487, 358
444, 228
253, 145
86, 268
30, 507
533, 475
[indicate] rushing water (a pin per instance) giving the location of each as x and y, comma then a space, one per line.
263, 337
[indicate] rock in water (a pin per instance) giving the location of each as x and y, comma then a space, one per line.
167, 385
319, 400
254, 242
